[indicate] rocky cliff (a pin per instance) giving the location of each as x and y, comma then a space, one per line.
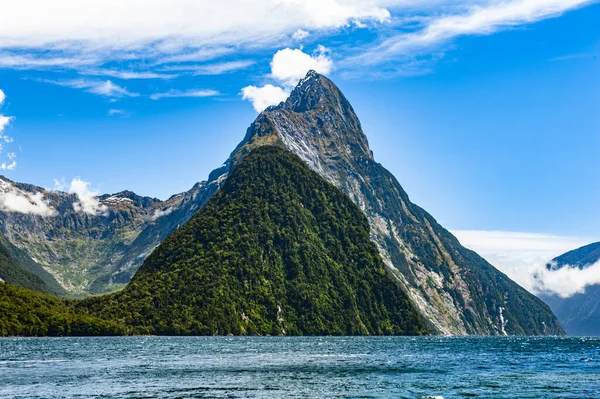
453, 287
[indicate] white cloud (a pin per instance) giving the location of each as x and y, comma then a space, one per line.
104, 30
4, 122
134, 34
12, 164
87, 198
113, 112
568, 280
127, 74
119, 24
36, 61
13, 199
222, 67
300, 35
162, 212
209, 69
188, 93
480, 18
101, 88
262, 97
288, 66
203, 54
523, 257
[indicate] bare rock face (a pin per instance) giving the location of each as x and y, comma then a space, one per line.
458, 291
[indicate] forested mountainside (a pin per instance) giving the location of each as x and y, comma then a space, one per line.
277, 250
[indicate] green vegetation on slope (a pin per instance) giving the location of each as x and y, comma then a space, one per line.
19, 269
27, 313
277, 250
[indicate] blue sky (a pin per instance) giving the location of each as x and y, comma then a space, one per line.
485, 111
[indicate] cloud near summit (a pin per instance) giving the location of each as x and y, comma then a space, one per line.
288, 66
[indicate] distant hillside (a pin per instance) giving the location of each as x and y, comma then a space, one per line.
17, 268
277, 250
29, 314
579, 314
97, 252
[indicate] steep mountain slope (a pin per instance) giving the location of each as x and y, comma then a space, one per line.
452, 286
27, 313
18, 269
579, 314
277, 250
91, 252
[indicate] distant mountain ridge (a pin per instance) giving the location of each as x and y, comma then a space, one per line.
87, 253
580, 313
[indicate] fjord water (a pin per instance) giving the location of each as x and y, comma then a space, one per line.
288, 367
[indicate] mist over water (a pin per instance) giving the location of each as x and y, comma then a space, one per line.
288, 367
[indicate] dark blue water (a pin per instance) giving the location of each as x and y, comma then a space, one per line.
156, 367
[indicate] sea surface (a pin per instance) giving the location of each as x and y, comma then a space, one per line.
287, 367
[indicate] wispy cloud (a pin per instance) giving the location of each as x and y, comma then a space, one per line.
126, 75
4, 120
524, 256
300, 35
222, 67
162, 212
187, 93
113, 112
11, 163
217, 68
102, 88
37, 60
575, 57
478, 19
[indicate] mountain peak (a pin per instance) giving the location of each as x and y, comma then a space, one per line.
312, 92
316, 120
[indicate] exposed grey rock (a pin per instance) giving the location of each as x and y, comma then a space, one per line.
452, 286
